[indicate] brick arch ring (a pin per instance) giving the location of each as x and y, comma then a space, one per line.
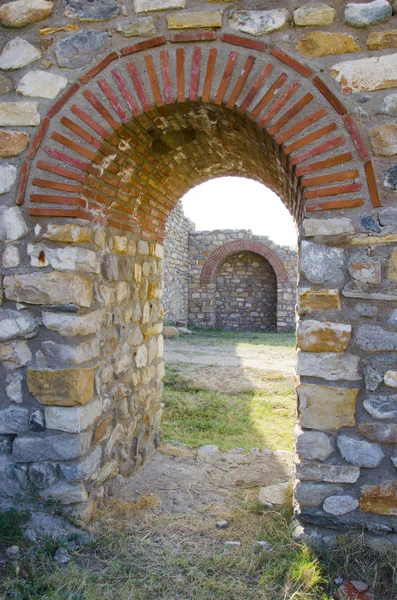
217, 257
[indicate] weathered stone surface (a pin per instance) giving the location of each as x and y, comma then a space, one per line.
389, 106
64, 446
77, 355
73, 234
324, 43
354, 292
390, 182
312, 471
379, 499
373, 338
323, 336
17, 324
366, 310
23, 12
109, 470
86, 10
190, 20
141, 357
326, 408
42, 475
312, 300
19, 113
379, 432
370, 224
103, 429
321, 264
65, 493
37, 421
373, 374
366, 74
71, 325
65, 387
314, 14
335, 226
83, 469
328, 365
359, 452
379, 40
149, 5
6, 444
64, 259
12, 143
15, 354
384, 139
366, 273
8, 175
49, 288
314, 494
75, 418
392, 266
17, 54
381, 407
340, 505
390, 379
275, 494
364, 15
79, 50
41, 84
13, 387
5, 85
259, 22
138, 27
13, 419
313, 445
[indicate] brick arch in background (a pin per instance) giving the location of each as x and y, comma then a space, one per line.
218, 256
143, 126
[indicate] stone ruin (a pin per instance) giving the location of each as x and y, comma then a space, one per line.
226, 279
109, 113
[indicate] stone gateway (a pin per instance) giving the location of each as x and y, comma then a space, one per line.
108, 116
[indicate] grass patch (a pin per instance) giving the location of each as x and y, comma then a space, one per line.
214, 337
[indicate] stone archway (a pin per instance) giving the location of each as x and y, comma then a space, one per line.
82, 345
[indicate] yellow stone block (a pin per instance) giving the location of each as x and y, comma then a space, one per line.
326, 408
319, 300
384, 139
392, 266
120, 244
323, 336
63, 387
322, 43
68, 233
193, 20
378, 40
379, 499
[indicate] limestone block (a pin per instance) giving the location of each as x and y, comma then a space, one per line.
313, 445
138, 27
49, 288
366, 74
336, 226
70, 325
74, 234
193, 20
13, 387
152, 5
8, 175
23, 12
63, 446
313, 471
19, 113
359, 452
389, 107
314, 14
390, 181
41, 84
143, 248
63, 387
379, 499
75, 418
390, 379
81, 470
65, 493
17, 324
13, 143
10, 258
322, 264
384, 139
314, 494
14, 355
80, 49
13, 419
323, 43
340, 505
141, 357
259, 22
103, 429
326, 408
379, 432
382, 406
77, 355
380, 40
86, 10
364, 15
392, 266
18, 53
373, 338
323, 336
63, 259
12, 224
367, 273
108, 471
310, 300
328, 365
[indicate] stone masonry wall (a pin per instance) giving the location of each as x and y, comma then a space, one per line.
176, 266
239, 294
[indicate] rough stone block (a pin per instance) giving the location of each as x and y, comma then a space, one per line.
23, 12
323, 336
65, 493
15, 354
13, 419
64, 387
382, 407
13, 143
75, 418
359, 452
317, 14
326, 408
64, 446
366, 273
384, 139
313, 445
86, 10
379, 499
153, 5
380, 40
312, 300
333, 226
321, 264
79, 50
12, 224
366, 14
41, 84
70, 325
366, 74
138, 27
259, 22
17, 324
314, 494
323, 43
390, 379
312, 471
63, 259
340, 505
379, 432
19, 113
328, 365
81, 470
193, 20
18, 53
73, 234
49, 288
373, 338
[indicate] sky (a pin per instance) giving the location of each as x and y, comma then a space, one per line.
239, 203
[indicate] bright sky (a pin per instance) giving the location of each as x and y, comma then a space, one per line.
239, 203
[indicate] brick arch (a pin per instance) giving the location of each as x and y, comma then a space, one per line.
218, 256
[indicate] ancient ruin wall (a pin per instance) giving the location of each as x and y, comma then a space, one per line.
253, 295
176, 266
100, 138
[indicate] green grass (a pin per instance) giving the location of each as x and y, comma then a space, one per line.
252, 419
216, 337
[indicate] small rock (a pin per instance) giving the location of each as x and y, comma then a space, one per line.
363, 15
13, 143
390, 181
61, 556
86, 10
17, 54
169, 331
324, 43
232, 543
360, 452
5, 85
37, 421
41, 84
42, 475
389, 106
366, 310
138, 27
222, 525
275, 494
259, 22
380, 40
23, 12
8, 175
366, 74
314, 14
266, 545
313, 445
19, 114
13, 387
384, 139
369, 224
381, 407
13, 552
79, 50
208, 450
340, 505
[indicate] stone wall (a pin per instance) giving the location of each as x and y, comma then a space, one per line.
243, 291
176, 266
